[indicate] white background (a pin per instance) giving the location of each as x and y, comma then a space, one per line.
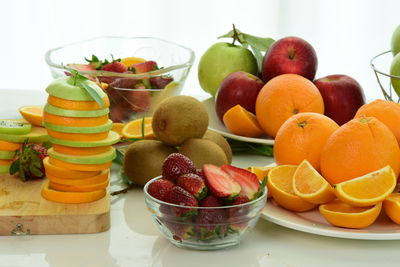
345, 33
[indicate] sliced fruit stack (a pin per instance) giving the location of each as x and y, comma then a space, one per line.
79, 128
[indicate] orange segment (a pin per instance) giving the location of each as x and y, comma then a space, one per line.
79, 188
75, 122
9, 146
102, 177
133, 129
260, 172
242, 122
129, 61
4, 162
280, 185
343, 215
71, 197
391, 205
369, 189
80, 167
80, 151
65, 173
33, 114
77, 136
77, 105
311, 186
117, 127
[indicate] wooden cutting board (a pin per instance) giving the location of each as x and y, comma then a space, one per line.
24, 211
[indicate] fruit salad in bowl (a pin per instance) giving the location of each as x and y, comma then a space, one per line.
135, 72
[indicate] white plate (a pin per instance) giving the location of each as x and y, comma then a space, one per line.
216, 125
312, 222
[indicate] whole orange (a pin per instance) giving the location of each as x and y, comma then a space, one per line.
358, 147
285, 96
387, 112
301, 137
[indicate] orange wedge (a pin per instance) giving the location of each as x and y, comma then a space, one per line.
117, 127
133, 129
71, 197
8, 146
77, 105
369, 189
102, 177
280, 185
310, 185
344, 215
241, 122
79, 188
78, 136
80, 151
74, 122
65, 173
129, 61
391, 205
80, 167
33, 114
260, 172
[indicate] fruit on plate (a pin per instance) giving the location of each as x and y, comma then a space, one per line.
285, 96
139, 129
395, 71
391, 205
238, 88
14, 127
395, 41
301, 137
290, 55
344, 215
342, 96
242, 122
359, 147
33, 114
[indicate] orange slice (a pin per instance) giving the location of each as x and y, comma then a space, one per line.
78, 136
33, 114
133, 129
102, 177
241, 122
65, 173
80, 167
79, 188
80, 151
4, 162
117, 127
280, 185
344, 215
260, 172
9, 146
74, 122
391, 205
77, 105
369, 189
71, 197
129, 61
311, 186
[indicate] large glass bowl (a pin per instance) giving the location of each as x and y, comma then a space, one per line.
174, 62
188, 232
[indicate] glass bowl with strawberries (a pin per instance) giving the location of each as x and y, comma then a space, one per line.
135, 72
206, 209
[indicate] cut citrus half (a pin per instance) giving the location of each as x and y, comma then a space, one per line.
33, 114
242, 122
391, 205
129, 61
102, 177
310, 185
9, 146
80, 167
369, 189
280, 185
74, 122
260, 172
342, 214
71, 197
117, 127
77, 105
65, 173
78, 136
80, 151
138, 129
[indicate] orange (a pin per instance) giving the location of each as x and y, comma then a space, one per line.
117, 127
369, 189
242, 122
129, 61
280, 185
77, 136
8, 146
71, 197
133, 129
33, 114
358, 147
80, 151
77, 105
75, 122
64, 173
79, 188
80, 167
103, 176
386, 111
303, 136
343, 215
260, 172
311, 186
284, 96
391, 205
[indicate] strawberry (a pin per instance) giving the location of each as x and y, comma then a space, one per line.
211, 201
160, 189
179, 230
115, 67
137, 100
193, 184
160, 82
143, 67
81, 67
211, 223
239, 211
180, 196
201, 174
29, 162
118, 113
176, 165
219, 182
248, 181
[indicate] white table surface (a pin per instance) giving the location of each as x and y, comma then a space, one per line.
133, 240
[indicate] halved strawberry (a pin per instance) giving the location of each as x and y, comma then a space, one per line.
219, 182
144, 67
248, 181
115, 67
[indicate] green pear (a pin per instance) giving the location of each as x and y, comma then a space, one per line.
396, 41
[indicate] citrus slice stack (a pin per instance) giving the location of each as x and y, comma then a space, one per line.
82, 153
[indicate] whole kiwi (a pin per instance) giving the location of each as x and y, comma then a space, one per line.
179, 118
221, 141
144, 159
202, 151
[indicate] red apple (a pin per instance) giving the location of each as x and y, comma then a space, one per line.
342, 97
237, 88
290, 55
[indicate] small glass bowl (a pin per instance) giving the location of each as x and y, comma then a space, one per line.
222, 227
174, 62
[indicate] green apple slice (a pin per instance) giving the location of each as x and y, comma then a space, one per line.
4, 169
91, 159
111, 139
37, 135
87, 130
75, 113
64, 88
14, 127
7, 154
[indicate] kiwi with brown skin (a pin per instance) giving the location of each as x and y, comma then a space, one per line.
179, 118
144, 159
221, 141
202, 151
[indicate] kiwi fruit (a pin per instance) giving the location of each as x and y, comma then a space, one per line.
144, 159
179, 118
221, 141
202, 151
